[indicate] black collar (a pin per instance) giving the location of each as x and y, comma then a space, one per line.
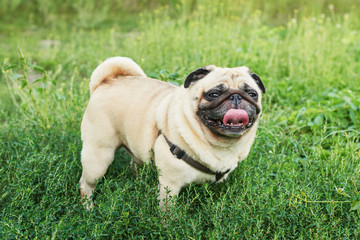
182, 155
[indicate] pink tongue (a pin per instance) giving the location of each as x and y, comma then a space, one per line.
236, 117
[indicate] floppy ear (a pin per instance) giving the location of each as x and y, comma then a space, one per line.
258, 82
195, 76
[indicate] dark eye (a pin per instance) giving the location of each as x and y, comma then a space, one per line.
214, 95
253, 95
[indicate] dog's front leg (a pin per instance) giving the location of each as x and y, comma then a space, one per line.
167, 190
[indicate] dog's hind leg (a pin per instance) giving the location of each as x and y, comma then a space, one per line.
95, 161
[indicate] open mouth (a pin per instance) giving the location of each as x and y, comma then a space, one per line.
234, 122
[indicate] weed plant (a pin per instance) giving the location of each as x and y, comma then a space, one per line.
301, 179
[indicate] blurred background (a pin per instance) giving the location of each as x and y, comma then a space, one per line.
97, 13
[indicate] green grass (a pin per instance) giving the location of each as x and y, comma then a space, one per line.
301, 179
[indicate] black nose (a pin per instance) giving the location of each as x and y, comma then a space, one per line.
235, 99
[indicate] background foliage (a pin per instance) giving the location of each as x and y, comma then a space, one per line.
301, 179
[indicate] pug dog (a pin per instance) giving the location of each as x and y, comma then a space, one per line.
198, 132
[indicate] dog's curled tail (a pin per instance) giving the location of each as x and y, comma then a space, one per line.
113, 67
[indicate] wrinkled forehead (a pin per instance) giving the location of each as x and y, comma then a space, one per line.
231, 78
